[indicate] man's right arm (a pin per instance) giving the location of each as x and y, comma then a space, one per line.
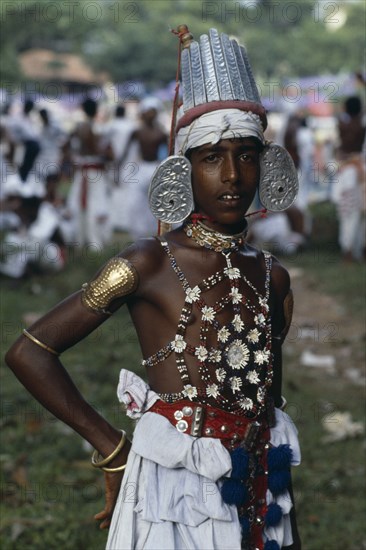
34, 357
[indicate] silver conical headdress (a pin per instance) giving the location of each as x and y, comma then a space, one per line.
216, 74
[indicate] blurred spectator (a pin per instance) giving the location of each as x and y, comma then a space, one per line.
351, 127
290, 141
36, 244
51, 141
151, 140
23, 131
119, 131
279, 232
287, 232
306, 152
89, 198
9, 178
349, 189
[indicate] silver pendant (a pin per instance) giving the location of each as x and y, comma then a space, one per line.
170, 192
279, 183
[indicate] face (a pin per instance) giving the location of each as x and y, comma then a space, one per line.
224, 179
149, 116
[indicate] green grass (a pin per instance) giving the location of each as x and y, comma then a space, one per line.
330, 483
326, 272
49, 490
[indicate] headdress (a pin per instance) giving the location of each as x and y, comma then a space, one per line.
220, 101
149, 103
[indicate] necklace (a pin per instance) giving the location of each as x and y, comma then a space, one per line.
234, 359
213, 240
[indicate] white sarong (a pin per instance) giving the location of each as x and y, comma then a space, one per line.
170, 495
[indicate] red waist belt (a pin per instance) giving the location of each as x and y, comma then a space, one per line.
84, 180
206, 421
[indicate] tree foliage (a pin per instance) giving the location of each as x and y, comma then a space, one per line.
131, 39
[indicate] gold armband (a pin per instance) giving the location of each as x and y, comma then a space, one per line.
288, 309
118, 278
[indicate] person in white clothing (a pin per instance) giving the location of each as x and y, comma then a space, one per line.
37, 242
118, 132
89, 195
348, 191
146, 142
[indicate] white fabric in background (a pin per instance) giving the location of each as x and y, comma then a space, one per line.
92, 225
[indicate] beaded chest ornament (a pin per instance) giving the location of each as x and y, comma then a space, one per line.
237, 371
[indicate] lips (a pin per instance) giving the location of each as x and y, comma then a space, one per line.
230, 199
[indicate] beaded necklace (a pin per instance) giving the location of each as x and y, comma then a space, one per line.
241, 361
213, 240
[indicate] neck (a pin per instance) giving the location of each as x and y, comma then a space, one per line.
212, 225
208, 237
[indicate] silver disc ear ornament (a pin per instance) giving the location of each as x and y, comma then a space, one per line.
279, 185
170, 192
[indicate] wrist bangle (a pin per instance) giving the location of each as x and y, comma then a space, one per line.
39, 343
117, 469
108, 459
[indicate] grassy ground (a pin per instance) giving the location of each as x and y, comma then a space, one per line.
330, 483
49, 490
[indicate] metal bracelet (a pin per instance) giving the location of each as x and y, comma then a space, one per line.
39, 343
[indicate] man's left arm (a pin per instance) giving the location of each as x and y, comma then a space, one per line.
283, 305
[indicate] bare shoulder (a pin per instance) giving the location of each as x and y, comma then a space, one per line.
146, 256
280, 279
279, 276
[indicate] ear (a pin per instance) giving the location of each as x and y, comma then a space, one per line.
278, 184
170, 192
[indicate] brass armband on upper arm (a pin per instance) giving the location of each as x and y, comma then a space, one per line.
118, 278
288, 309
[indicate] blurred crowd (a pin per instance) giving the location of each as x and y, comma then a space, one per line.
331, 167
74, 183
64, 189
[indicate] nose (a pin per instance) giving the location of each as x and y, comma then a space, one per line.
230, 172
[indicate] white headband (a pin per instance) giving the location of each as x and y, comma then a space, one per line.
216, 125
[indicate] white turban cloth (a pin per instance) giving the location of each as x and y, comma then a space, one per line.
148, 103
216, 125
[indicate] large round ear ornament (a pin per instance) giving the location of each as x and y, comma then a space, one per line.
279, 185
170, 192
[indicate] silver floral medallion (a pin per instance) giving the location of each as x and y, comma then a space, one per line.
279, 183
170, 192
237, 354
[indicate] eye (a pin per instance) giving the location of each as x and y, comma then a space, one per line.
246, 157
211, 158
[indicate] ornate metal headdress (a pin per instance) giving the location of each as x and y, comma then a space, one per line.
216, 75
214, 71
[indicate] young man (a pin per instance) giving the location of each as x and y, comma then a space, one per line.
143, 148
210, 458
349, 190
88, 199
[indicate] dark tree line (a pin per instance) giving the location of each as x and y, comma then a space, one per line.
131, 39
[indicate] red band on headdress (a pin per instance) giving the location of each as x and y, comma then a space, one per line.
200, 110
